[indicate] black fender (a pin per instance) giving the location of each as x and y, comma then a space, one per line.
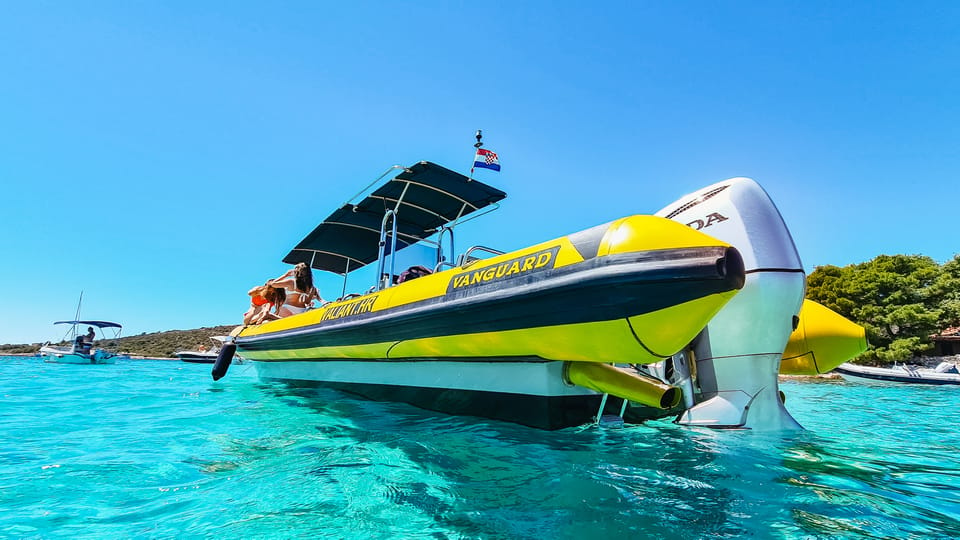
222, 363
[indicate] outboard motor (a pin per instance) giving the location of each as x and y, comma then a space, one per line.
737, 356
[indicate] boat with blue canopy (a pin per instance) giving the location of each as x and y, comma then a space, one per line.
80, 349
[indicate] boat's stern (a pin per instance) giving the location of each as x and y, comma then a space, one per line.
736, 359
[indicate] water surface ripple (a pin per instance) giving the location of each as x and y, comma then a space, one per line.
154, 449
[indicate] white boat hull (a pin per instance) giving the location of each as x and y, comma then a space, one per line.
538, 378
63, 355
197, 357
206, 356
203, 357
895, 375
531, 392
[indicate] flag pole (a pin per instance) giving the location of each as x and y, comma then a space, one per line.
478, 144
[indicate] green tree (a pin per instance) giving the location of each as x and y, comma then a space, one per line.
947, 290
898, 299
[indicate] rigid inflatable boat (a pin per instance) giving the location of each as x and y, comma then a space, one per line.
686, 313
944, 373
535, 336
206, 356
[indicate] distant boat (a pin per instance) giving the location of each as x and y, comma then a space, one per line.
81, 351
944, 373
207, 356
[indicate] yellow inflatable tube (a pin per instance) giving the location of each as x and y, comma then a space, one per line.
639, 308
823, 340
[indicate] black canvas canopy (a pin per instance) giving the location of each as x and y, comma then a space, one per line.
425, 197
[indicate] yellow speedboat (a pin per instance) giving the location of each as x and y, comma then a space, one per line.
537, 336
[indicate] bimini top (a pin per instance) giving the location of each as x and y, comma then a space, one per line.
425, 197
98, 324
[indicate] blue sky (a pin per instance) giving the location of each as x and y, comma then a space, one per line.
163, 157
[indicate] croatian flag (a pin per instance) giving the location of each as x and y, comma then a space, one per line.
486, 159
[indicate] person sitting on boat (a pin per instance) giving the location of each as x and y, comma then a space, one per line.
85, 342
301, 293
262, 300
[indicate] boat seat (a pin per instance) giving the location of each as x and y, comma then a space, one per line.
81, 346
946, 367
413, 273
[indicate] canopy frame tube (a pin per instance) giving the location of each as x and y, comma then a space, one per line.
425, 199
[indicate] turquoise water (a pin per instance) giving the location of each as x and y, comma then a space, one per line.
153, 449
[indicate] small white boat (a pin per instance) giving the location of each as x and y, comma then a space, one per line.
944, 373
206, 356
81, 351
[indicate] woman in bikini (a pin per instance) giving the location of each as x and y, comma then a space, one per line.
262, 299
298, 283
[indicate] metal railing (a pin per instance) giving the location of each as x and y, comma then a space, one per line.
466, 260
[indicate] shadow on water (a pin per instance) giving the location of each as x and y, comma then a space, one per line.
380, 469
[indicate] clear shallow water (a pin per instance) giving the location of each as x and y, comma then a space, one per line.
152, 449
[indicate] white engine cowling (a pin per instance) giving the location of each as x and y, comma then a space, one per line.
738, 353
